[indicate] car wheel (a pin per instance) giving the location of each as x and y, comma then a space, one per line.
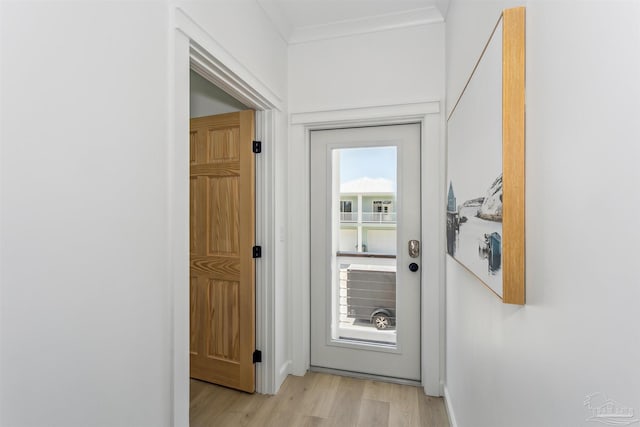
381, 321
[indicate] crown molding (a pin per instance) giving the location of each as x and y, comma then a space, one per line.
443, 7
371, 24
277, 18
365, 115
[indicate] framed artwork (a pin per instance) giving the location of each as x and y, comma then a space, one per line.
485, 161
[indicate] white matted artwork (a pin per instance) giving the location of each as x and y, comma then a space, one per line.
481, 142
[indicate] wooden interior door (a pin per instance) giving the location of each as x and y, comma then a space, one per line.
222, 226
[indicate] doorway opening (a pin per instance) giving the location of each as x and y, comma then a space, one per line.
194, 49
207, 99
222, 238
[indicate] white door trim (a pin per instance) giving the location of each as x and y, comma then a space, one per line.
400, 356
191, 47
432, 165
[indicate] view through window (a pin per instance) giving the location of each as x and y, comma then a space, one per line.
364, 285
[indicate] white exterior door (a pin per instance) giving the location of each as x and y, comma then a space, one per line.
365, 209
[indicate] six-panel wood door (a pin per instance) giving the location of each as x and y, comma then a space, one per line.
222, 226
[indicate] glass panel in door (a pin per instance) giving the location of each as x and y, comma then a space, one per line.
364, 280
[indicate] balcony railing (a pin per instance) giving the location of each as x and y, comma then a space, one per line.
366, 283
370, 217
348, 216
378, 217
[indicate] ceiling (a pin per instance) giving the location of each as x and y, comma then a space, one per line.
300, 21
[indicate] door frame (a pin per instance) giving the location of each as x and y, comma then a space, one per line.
432, 224
191, 47
399, 359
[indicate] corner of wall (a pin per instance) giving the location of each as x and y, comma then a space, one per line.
449, 407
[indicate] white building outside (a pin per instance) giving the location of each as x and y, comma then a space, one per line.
368, 216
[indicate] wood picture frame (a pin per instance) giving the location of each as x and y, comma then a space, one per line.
486, 150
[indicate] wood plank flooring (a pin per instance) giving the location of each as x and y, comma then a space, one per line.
317, 400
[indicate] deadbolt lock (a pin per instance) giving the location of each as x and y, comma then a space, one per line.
414, 248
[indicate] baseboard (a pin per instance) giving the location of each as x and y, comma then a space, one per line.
449, 408
284, 370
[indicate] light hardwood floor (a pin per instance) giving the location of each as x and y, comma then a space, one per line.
317, 400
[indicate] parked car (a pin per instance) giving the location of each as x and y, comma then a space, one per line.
371, 294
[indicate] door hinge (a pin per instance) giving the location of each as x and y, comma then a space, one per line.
257, 251
257, 356
257, 147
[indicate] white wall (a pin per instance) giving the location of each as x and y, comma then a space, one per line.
381, 241
282, 283
205, 99
85, 314
578, 333
348, 240
389, 67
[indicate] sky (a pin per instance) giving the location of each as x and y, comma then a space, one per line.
370, 162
